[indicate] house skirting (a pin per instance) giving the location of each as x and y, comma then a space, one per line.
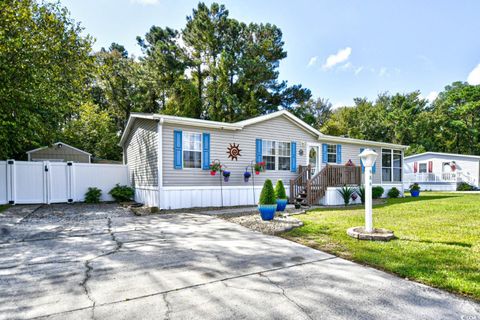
333, 198
197, 197
148, 196
436, 186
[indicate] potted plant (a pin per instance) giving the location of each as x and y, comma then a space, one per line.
259, 167
354, 196
246, 176
281, 196
226, 175
214, 167
267, 205
415, 190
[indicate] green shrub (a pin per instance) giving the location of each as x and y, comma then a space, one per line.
280, 190
463, 186
414, 187
377, 192
122, 193
346, 193
393, 193
267, 196
93, 195
361, 192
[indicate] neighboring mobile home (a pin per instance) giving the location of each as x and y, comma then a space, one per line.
179, 175
59, 152
442, 171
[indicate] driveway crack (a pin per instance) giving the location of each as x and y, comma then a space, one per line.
89, 268
285, 295
169, 307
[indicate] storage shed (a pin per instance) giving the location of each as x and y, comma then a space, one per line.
59, 152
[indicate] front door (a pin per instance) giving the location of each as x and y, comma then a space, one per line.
314, 158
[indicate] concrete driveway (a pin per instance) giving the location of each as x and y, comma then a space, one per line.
84, 262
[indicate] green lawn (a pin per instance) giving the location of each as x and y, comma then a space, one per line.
438, 238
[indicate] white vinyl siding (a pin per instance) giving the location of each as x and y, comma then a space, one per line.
141, 153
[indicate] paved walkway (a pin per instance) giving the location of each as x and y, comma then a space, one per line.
101, 262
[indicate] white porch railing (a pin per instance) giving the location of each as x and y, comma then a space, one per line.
438, 177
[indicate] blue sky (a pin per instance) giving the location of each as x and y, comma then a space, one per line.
338, 49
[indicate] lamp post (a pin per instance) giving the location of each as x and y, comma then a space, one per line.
368, 157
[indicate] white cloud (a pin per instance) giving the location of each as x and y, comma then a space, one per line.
358, 70
432, 96
339, 57
382, 72
474, 76
347, 66
313, 61
145, 2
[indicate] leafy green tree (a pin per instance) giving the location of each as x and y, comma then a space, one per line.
114, 87
93, 130
456, 117
314, 112
44, 65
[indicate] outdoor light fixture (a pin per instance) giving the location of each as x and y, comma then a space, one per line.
368, 157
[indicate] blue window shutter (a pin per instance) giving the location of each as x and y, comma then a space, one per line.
258, 151
374, 168
361, 162
339, 153
293, 156
206, 151
324, 153
177, 149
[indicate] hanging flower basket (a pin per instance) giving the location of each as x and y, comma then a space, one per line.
259, 167
214, 167
226, 176
246, 176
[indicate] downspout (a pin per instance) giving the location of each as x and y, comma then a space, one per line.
160, 161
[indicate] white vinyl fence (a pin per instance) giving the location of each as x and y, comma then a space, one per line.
23, 182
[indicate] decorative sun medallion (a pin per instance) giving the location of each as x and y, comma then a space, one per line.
233, 151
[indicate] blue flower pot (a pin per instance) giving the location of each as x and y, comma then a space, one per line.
281, 204
267, 211
415, 193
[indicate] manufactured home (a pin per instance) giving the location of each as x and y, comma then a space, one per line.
169, 160
442, 171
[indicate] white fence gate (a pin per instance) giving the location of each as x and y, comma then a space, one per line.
25, 182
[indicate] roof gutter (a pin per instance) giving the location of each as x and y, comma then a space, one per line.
361, 142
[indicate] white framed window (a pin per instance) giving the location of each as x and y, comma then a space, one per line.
331, 153
284, 156
268, 154
192, 149
276, 155
391, 165
422, 168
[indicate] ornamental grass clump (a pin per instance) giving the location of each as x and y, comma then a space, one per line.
361, 192
267, 196
346, 193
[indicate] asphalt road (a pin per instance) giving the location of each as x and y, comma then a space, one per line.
101, 262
